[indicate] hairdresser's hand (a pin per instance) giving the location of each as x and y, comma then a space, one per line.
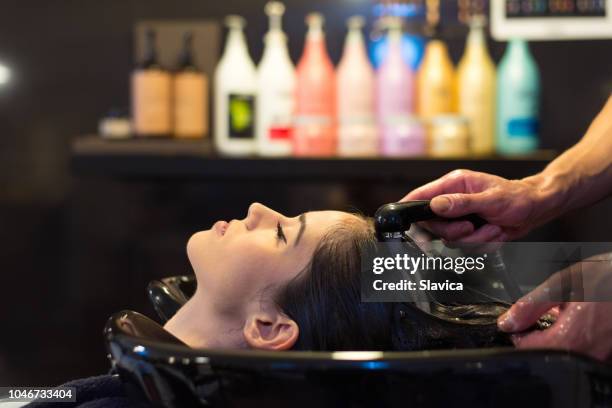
583, 326
511, 207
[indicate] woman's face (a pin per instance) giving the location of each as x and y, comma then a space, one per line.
237, 262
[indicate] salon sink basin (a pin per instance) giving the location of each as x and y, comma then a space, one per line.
169, 294
159, 367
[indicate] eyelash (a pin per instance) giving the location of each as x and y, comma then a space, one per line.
280, 234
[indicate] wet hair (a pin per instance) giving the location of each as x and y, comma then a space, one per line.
325, 301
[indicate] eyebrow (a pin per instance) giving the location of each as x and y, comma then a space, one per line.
302, 220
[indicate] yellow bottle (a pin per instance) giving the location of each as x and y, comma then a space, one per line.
436, 81
476, 89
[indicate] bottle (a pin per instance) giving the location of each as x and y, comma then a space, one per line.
518, 84
315, 96
190, 95
436, 81
235, 94
400, 134
151, 94
357, 133
449, 136
476, 90
276, 86
413, 44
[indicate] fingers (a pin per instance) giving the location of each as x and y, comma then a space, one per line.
524, 314
450, 231
536, 339
427, 191
527, 310
453, 182
457, 205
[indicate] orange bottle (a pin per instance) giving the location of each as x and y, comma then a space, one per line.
315, 96
436, 81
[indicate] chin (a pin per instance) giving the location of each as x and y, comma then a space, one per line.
197, 247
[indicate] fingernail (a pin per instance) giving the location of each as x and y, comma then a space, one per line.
505, 322
442, 204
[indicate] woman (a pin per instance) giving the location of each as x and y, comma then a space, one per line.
278, 283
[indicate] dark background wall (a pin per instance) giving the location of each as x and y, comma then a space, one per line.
76, 249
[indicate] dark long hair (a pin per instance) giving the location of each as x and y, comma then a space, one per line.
325, 301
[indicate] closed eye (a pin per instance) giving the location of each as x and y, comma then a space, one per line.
280, 234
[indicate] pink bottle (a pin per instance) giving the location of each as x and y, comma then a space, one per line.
400, 133
315, 96
357, 132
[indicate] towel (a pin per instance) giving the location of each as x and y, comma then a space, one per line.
95, 392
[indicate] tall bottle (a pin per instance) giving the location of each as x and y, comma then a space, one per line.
395, 94
476, 89
518, 84
151, 94
315, 96
190, 95
436, 81
357, 133
276, 86
235, 94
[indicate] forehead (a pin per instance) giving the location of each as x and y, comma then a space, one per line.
318, 222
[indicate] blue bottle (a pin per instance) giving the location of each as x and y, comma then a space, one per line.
518, 100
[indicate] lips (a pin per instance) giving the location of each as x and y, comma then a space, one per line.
220, 227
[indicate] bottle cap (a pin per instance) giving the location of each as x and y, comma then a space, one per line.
235, 22
478, 21
186, 56
355, 23
393, 23
275, 10
433, 31
315, 21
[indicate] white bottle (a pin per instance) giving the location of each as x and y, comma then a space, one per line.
235, 94
276, 87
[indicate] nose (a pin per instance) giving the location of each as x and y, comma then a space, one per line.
260, 215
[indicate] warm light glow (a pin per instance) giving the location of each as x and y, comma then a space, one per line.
357, 355
5, 74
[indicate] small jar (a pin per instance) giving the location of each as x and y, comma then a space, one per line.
403, 136
115, 125
449, 136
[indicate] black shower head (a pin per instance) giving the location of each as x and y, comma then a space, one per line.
392, 220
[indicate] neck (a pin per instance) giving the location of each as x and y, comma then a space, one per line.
395, 44
236, 44
198, 326
476, 42
519, 47
276, 43
354, 45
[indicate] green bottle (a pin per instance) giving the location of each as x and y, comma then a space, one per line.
518, 100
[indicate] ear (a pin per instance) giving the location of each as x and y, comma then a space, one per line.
270, 331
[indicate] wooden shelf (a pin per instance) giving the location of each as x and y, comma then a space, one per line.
168, 158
